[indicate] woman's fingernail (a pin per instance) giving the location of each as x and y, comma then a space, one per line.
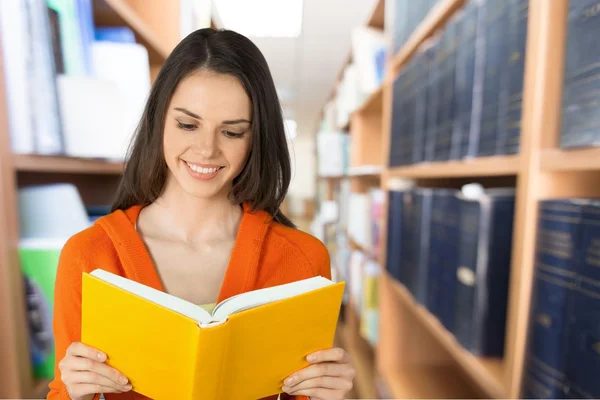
311, 357
127, 387
101, 356
289, 380
123, 380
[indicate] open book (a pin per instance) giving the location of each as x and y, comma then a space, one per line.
222, 310
170, 348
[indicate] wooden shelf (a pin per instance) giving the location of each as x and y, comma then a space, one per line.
118, 13
487, 373
373, 102
436, 18
560, 160
426, 382
485, 166
47, 164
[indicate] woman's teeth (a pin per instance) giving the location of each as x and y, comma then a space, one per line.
201, 170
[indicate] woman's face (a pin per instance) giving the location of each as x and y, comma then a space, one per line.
207, 134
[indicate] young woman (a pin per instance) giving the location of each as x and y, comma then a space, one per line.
197, 211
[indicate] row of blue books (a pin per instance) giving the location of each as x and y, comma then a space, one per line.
563, 354
452, 250
461, 95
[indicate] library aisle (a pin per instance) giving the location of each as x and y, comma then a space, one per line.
447, 152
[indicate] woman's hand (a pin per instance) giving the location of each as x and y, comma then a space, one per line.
84, 373
329, 378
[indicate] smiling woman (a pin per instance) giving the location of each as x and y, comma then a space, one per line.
197, 212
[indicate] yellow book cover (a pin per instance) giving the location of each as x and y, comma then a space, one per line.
243, 349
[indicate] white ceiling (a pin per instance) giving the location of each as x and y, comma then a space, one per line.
306, 68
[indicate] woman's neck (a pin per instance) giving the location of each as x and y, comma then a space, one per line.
190, 219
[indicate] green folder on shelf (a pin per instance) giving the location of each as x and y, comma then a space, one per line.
39, 263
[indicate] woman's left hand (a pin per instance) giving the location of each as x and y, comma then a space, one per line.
328, 378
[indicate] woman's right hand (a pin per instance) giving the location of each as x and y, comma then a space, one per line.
85, 374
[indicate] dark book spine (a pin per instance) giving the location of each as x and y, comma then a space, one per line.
479, 66
397, 122
590, 241
408, 240
496, 45
556, 266
423, 202
483, 275
583, 361
394, 233
409, 113
433, 100
434, 281
512, 94
469, 226
581, 109
465, 75
456, 74
450, 260
420, 106
443, 140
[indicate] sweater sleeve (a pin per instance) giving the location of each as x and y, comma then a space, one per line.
67, 311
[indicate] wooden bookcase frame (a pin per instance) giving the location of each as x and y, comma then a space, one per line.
416, 357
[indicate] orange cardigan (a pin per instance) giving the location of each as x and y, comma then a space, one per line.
265, 254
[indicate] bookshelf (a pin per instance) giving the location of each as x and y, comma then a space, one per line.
416, 356
156, 27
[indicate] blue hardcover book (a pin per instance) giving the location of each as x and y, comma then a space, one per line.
450, 259
486, 224
495, 66
394, 233
590, 241
443, 140
397, 122
433, 99
512, 92
409, 235
556, 276
423, 201
422, 65
465, 76
436, 279
581, 105
584, 340
409, 111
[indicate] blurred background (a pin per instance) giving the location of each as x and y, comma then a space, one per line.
445, 151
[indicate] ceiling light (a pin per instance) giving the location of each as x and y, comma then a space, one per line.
262, 18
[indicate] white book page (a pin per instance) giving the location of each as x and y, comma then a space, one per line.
259, 297
156, 296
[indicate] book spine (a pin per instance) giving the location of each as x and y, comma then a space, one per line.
409, 240
495, 68
590, 241
492, 275
443, 139
556, 267
433, 101
465, 76
581, 112
436, 252
512, 102
469, 225
450, 261
423, 201
420, 106
583, 361
479, 64
397, 122
394, 236
457, 75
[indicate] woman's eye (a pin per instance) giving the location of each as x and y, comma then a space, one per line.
233, 135
186, 127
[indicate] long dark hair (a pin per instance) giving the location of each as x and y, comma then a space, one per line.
264, 180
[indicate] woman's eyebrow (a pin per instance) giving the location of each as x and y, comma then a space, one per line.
228, 122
